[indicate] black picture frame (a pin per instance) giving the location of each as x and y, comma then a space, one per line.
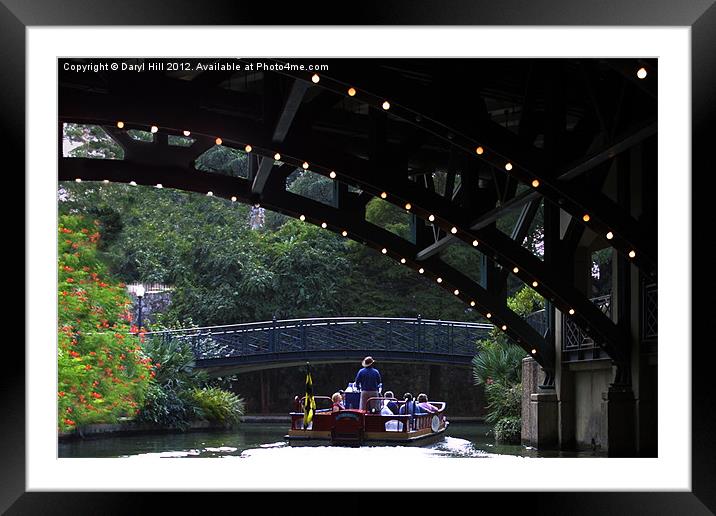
700, 16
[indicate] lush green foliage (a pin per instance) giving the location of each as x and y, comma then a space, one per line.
90, 141
218, 405
503, 400
497, 362
508, 430
102, 372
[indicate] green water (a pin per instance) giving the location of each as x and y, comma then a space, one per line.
253, 441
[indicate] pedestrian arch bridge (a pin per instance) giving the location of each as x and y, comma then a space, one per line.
223, 350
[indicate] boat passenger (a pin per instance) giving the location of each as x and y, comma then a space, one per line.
368, 382
425, 405
337, 402
392, 404
409, 407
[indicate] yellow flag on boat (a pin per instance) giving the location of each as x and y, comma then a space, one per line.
309, 404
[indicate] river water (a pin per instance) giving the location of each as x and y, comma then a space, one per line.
256, 441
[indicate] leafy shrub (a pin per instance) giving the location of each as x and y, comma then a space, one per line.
503, 401
102, 372
218, 405
498, 362
508, 430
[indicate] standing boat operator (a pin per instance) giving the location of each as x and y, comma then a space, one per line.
368, 381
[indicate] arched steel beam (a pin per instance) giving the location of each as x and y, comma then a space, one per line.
423, 203
238, 189
505, 151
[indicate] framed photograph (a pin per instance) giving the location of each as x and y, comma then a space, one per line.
468, 202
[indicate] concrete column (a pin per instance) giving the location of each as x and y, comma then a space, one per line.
543, 419
618, 422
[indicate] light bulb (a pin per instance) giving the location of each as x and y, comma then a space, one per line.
219, 141
210, 194
535, 183
233, 199
453, 230
508, 166
153, 129
632, 254
302, 218
571, 311
472, 303
351, 92
315, 78
504, 327
439, 280
456, 292
488, 315
534, 351
586, 217
474, 243
332, 175
120, 124
305, 165
534, 284
402, 260
431, 218
132, 183
408, 206
383, 195
106, 181
515, 270
479, 150
641, 73
610, 235
248, 148
384, 251
421, 270
78, 180
324, 225
159, 185
277, 156
187, 133
386, 105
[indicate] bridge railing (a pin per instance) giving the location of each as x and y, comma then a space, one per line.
335, 333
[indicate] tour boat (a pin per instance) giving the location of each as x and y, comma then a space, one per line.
354, 427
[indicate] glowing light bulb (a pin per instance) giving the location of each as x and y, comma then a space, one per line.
186, 133
386, 105
302, 218
219, 141
106, 181
479, 150
474, 243
315, 78
534, 351
421, 270
78, 180
332, 175
453, 230
383, 195
402, 260
233, 199
120, 124
535, 183
153, 129
571, 311
277, 156
488, 315
515, 270
632, 254
351, 92
456, 292
210, 194
472, 303
508, 166
384, 251
439, 280
324, 225
159, 185
344, 233
535, 284
248, 148
586, 217
132, 183
504, 327
641, 73
305, 165
610, 235
408, 206
431, 218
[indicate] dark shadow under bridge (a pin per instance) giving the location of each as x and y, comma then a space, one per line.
223, 350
